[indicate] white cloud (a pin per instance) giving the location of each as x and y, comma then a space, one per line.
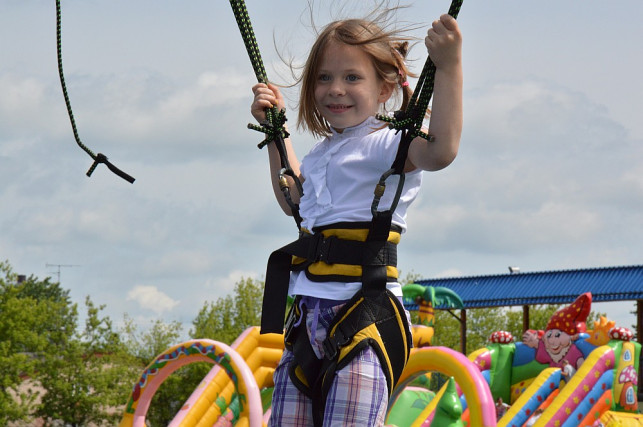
151, 298
180, 261
20, 94
224, 285
30, 108
450, 272
548, 175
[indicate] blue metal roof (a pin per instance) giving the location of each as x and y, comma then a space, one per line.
547, 287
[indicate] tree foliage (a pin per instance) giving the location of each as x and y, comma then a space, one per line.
81, 371
34, 315
146, 344
14, 360
86, 374
482, 322
225, 319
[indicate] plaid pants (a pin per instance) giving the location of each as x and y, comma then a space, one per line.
358, 395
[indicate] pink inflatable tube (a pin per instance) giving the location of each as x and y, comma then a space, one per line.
190, 352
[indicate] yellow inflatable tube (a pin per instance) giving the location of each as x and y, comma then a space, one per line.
466, 374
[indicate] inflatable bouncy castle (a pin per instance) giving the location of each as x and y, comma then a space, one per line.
506, 383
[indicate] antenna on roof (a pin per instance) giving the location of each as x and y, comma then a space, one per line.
514, 270
60, 265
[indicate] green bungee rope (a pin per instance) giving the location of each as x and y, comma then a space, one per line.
98, 158
409, 122
411, 119
273, 126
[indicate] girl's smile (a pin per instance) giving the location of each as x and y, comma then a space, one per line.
338, 108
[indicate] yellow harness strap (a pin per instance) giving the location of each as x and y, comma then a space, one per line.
322, 271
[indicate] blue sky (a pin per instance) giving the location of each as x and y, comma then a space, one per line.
549, 175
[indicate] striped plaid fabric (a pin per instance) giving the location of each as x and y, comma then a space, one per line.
358, 395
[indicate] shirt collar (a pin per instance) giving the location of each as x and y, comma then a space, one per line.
369, 125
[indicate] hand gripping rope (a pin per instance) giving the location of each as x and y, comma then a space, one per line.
98, 158
409, 122
273, 126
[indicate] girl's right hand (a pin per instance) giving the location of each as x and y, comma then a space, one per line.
266, 96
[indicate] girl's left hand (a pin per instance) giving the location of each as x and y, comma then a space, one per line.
444, 42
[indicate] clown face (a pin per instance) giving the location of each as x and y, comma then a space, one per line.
557, 343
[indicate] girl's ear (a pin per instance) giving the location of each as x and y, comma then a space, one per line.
385, 92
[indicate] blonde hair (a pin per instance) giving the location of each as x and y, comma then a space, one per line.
387, 50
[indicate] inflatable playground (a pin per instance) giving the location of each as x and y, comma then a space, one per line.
510, 382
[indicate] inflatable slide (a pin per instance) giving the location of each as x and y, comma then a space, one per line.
229, 393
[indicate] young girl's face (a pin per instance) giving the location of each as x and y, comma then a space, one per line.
347, 89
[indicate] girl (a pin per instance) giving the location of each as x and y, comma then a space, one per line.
353, 69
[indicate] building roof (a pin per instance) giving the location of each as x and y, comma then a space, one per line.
547, 287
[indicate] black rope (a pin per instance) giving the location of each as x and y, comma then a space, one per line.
98, 158
411, 119
409, 122
273, 126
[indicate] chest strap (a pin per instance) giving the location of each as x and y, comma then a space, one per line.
338, 253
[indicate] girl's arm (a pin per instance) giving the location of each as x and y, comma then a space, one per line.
444, 43
266, 96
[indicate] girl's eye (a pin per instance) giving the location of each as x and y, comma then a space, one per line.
324, 77
352, 78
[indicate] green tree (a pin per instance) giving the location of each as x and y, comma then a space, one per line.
145, 345
85, 374
33, 315
482, 322
226, 318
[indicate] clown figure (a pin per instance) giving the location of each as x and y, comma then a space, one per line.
557, 343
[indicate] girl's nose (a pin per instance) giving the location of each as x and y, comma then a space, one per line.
337, 88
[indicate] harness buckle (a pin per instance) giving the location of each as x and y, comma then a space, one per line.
320, 248
332, 344
291, 322
330, 348
380, 188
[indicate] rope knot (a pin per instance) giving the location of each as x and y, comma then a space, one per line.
101, 158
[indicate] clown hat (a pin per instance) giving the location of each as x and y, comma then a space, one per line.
571, 319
